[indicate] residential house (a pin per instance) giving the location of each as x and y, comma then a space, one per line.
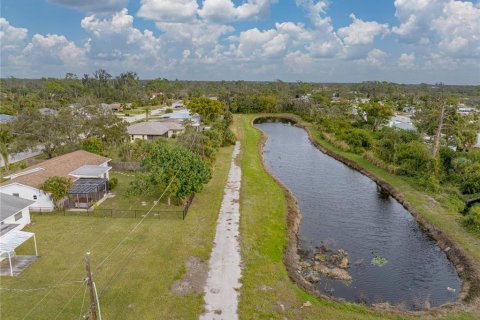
14, 216
6, 118
14, 213
154, 95
184, 115
88, 171
48, 112
155, 129
477, 145
401, 122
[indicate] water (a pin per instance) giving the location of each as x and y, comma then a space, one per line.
346, 210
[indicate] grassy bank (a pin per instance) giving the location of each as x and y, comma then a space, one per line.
267, 291
135, 282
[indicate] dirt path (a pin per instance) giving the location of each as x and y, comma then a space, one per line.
223, 282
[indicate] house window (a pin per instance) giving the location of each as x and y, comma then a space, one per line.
34, 197
18, 216
16, 195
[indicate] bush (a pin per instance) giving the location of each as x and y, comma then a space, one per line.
472, 220
93, 145
380, 163
413, 158
228, 138
169, 110
112, 183
358, 139
471, 179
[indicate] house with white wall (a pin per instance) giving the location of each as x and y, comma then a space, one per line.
89, 173
14, 213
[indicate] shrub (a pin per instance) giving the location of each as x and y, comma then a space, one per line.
471, 179
112, 183
228, 138
413, 158
472, 220
92, 144
358, 139
380, 163
169, 110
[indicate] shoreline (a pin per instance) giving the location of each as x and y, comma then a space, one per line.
464, 265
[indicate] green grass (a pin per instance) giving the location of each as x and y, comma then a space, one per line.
123, 202
266, 284
135, 282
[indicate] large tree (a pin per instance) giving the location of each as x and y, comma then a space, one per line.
208, 109
375, 114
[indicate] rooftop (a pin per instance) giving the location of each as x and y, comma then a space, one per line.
84, 186
6, 118
60, 166
90, 171
154, 128
10, 205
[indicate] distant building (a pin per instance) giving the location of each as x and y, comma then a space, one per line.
410, 110
477, 145
154, 95
6, 118
464, 111
183, 115
402, 122
48, 112
154, 129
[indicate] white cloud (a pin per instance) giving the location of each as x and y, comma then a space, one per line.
93, 5
11, 38
459, 29
375, 58
361, 32
52, 49
407, 61
225, 10
168, 10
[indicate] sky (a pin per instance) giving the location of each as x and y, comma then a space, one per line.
403, 41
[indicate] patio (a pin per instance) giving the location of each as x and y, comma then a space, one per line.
19, 264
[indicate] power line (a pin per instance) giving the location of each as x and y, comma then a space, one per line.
40, 288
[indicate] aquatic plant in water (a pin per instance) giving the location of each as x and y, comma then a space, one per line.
378, 261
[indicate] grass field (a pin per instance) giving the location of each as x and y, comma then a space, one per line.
267, 292
135, 282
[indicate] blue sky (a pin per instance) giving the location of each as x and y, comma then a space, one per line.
406, 41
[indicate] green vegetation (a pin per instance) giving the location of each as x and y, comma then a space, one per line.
58, 188
135, 281
172, 168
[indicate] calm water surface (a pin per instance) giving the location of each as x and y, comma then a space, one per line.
345, 210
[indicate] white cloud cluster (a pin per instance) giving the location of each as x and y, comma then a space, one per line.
362, 32
196, 38
452, 26
11, 38
221, 11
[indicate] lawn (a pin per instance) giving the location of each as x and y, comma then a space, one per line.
135, 282
267, 292
123, 205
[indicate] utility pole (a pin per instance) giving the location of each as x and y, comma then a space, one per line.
93, 308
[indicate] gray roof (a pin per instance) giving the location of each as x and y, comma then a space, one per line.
6, 118
90, 171
84, 186
9, 205
154, 128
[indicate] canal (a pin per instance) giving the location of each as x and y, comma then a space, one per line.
389, 258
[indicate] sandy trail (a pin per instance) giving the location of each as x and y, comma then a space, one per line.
223, 282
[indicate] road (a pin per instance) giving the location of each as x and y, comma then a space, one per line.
154, 112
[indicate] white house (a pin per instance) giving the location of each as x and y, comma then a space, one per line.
14, 216
14, 213
88, 171
154, 129
183, 115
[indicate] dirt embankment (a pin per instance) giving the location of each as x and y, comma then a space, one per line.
466, 267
